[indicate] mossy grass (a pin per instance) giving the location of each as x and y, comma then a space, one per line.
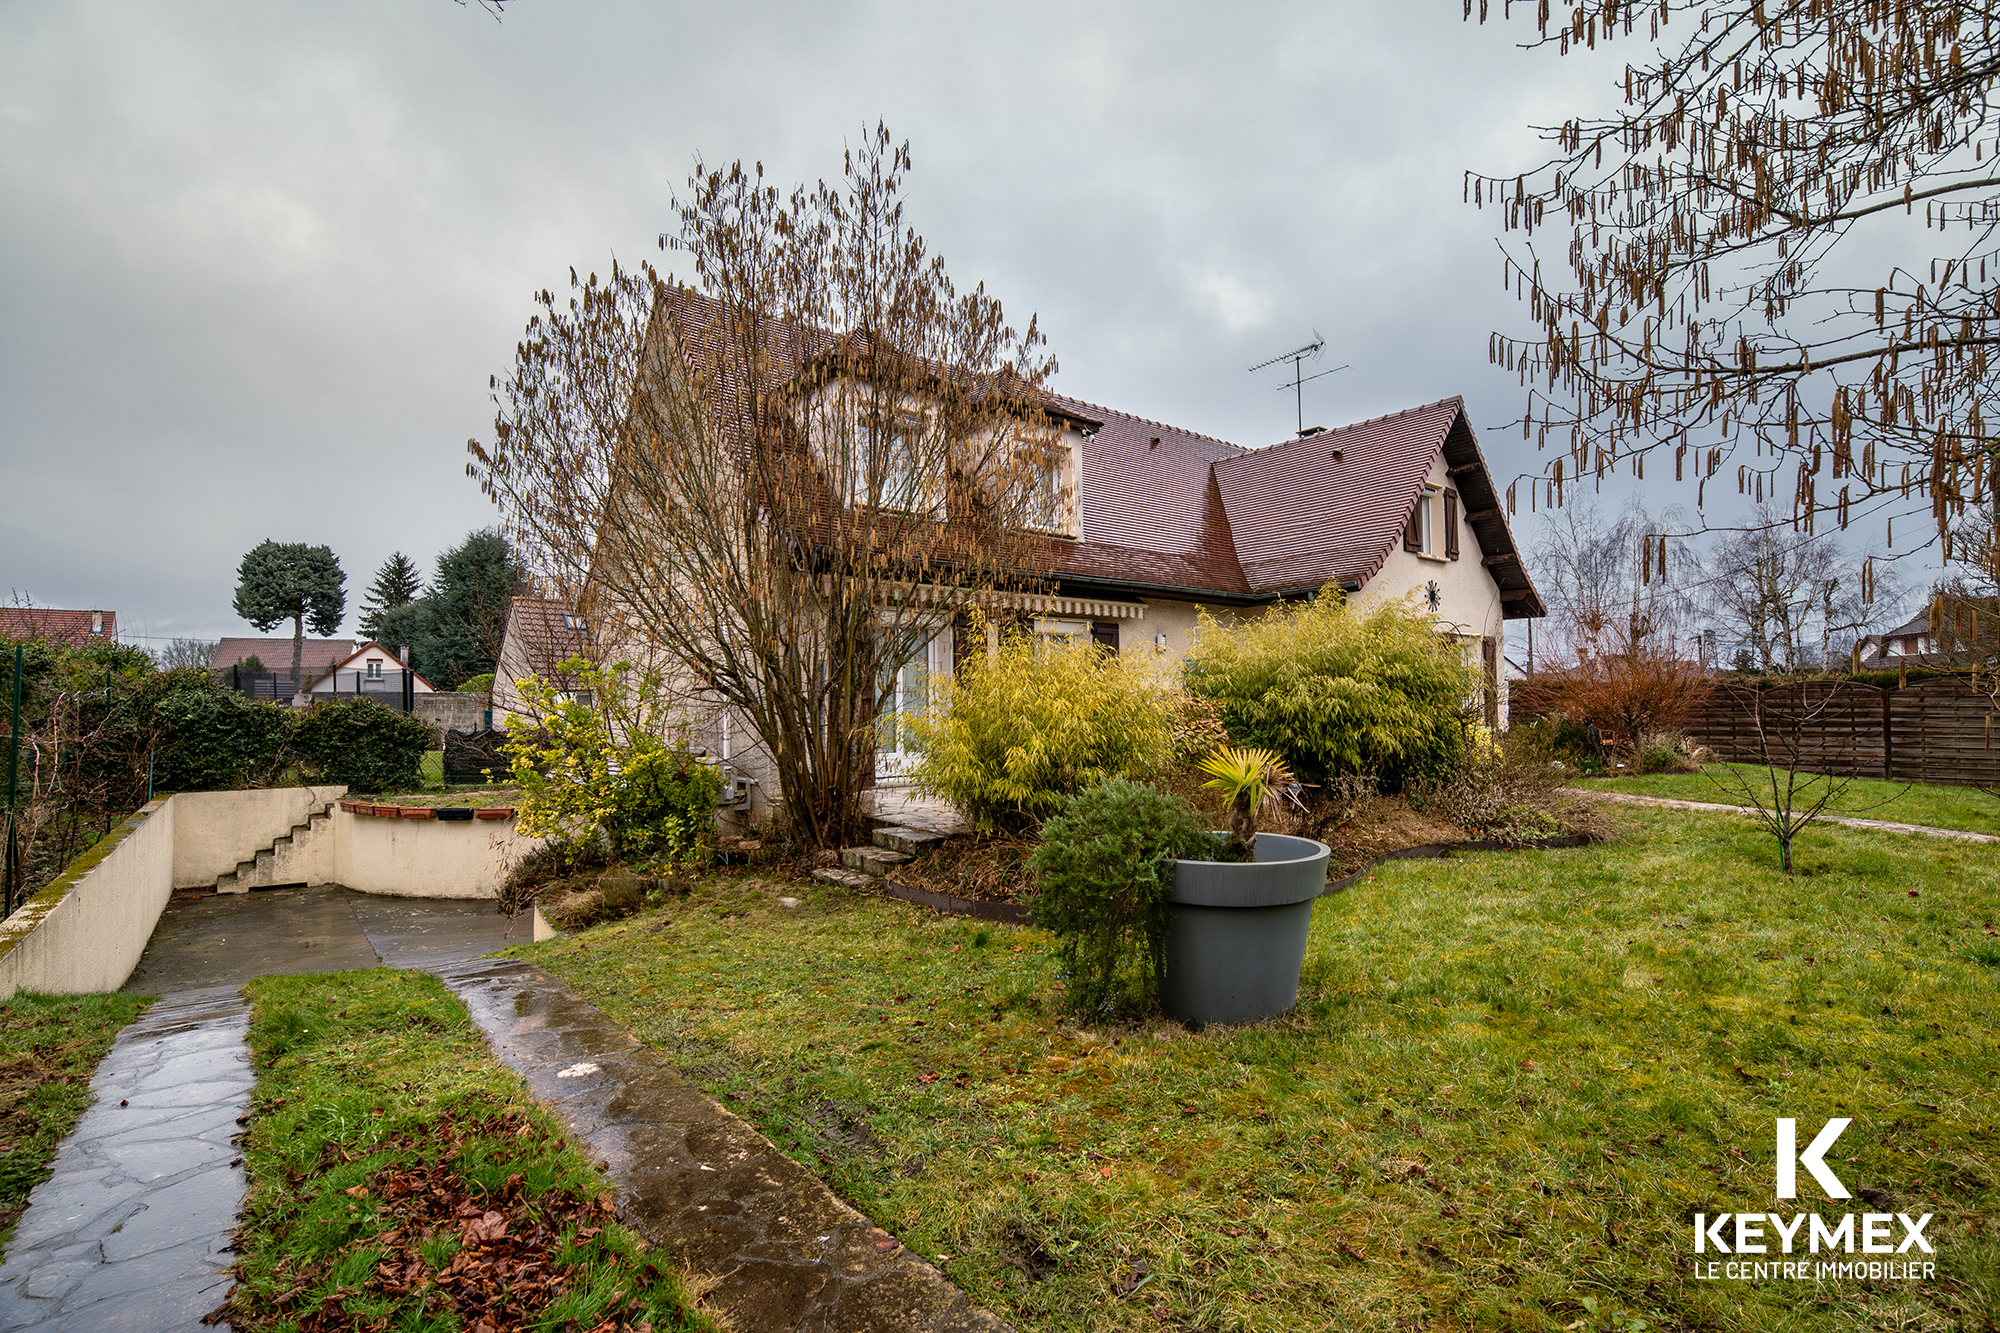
50, 1045
1933, 805
1511, 1081
385, 1143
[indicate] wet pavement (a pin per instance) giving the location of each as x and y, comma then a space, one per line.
131, 1231
782, 1252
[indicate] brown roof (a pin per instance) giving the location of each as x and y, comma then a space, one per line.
1165, 511
545, 634
1175, 511
53, 624
276, 654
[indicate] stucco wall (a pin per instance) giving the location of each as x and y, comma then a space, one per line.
452, 711
213, 830
85, 932
425, 858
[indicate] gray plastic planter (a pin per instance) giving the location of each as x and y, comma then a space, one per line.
1238, 937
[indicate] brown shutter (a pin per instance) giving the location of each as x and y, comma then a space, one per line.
1104, 633
1413, 528
1451, 524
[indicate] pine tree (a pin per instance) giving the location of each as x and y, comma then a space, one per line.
396, 584
280, 581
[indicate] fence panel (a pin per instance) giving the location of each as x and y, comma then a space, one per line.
1930, 731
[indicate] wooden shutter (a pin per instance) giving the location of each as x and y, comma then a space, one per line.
1104, 633
1413, 529
1451, 524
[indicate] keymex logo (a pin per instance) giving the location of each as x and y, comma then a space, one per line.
1810, 1233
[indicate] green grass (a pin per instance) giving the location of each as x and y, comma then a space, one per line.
432, 769
1511, 1081
49, 1048
1968, 808
381, 1127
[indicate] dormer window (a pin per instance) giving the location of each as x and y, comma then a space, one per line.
899, 451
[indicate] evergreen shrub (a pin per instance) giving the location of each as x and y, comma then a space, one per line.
362, 744
1101, 873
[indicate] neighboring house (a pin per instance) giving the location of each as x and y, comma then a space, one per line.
540, 636
1913, 638
52, 624
275, 655
370, 669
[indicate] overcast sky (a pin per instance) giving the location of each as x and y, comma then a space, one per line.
260, 259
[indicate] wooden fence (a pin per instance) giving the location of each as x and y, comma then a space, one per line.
1928, 731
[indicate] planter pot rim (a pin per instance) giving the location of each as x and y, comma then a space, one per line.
1288, 870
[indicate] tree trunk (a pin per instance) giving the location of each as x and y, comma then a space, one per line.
298, 647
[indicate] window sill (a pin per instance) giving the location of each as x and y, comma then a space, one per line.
1437, 559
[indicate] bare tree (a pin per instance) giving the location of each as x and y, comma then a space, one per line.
184, 654
1742, 266
1614, 585
1794, 601
1801, 758
782, 482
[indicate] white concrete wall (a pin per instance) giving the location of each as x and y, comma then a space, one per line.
85, 932
425, 858
216, 829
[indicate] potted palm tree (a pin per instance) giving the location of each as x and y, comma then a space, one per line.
1237, 940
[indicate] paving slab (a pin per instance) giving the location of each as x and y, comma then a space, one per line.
131, 1229
784, 1253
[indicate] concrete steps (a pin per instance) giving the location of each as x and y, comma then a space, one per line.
892, 845
283, 862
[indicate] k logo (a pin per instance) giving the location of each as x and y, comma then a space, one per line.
1813, 1158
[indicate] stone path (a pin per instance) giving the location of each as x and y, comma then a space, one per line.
1881, 825
130, 1232
784, 1252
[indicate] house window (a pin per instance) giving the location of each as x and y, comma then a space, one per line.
1420, 533
574, 623
374, 668
897, 463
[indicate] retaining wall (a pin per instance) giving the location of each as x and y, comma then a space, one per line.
424, 858
213, 830
85, 931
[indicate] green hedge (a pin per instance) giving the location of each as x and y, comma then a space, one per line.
362, 744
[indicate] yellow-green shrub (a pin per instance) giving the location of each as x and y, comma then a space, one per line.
1338, 692
1015, 736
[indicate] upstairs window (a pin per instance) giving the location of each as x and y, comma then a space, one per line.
898, 454
374, 668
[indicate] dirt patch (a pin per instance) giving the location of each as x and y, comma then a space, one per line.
1383, 824
991, 867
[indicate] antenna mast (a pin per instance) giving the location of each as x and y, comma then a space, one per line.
1298, 356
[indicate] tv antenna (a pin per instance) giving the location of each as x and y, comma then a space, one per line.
1298, 356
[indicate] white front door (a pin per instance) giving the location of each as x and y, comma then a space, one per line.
906, 694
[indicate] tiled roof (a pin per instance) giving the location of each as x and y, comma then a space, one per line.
1168, 511
542, 634
50, 623
276, 654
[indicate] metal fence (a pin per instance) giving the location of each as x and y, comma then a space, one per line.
391, 689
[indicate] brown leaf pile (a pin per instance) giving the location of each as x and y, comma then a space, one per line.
504, 1273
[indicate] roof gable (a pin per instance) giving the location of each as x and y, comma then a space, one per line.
1328, 508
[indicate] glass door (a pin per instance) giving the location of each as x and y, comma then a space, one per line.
904, 695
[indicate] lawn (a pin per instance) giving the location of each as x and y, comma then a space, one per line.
401, 1177
49, 1048
1510, 1082
1970, 808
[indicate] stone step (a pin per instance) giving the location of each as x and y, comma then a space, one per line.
871, 861
847, 879
896, 838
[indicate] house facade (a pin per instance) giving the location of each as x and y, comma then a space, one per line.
55, 625
370, 670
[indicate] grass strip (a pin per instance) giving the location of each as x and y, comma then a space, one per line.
1511, 1081
1971, 809
402, 1178
50, 1046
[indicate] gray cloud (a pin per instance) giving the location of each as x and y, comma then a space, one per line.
261, 259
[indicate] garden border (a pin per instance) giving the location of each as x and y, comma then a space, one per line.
1014, 914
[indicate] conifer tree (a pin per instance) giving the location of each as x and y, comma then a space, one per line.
280, 581
397, 583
